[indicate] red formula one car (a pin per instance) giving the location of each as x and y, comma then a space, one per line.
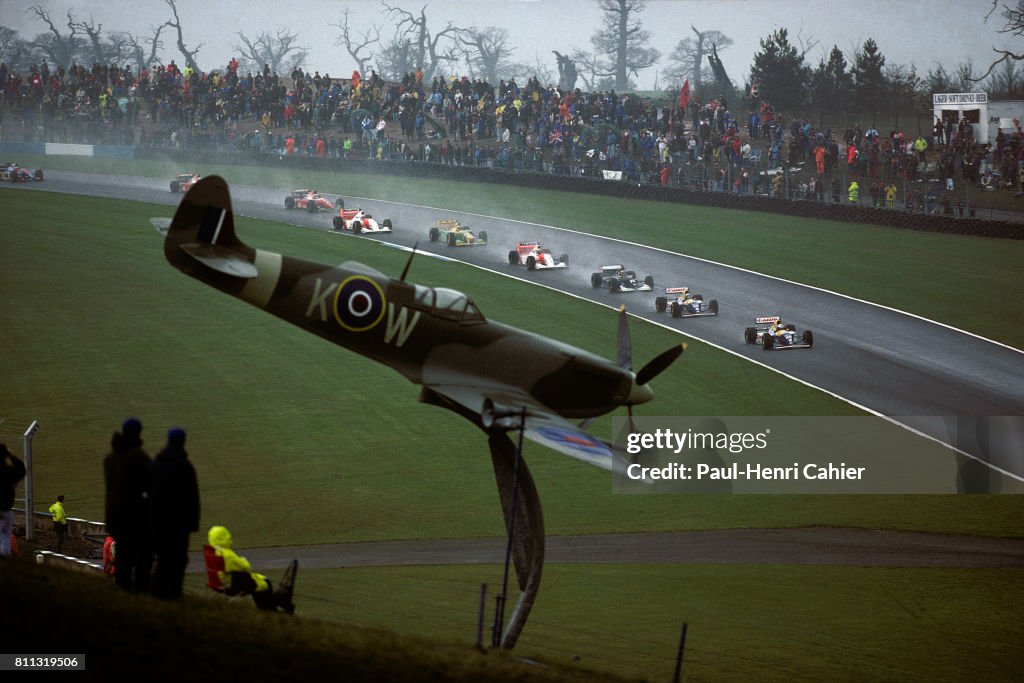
183, 182
13, 173
536, 257
308, 200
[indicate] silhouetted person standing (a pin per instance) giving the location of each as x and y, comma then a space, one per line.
12, 470
126, 473
174, 511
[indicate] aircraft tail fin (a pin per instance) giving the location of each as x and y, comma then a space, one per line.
202, 233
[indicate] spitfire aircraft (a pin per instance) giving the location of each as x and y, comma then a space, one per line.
437, 338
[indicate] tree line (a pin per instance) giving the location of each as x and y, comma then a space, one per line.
406, 41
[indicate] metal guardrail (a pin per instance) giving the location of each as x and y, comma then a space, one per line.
77, 527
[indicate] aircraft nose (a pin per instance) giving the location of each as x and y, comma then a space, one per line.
639, 393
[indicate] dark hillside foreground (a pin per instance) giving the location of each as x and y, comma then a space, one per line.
51, 611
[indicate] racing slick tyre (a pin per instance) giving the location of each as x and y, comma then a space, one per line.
808, 338
38, 174
767, 341
564, 258
338, 223
434, 234
750, 335
531, 263
174, 186
595, 280
677, 310
311, 206
357, 227
386, 223
482, 237
513, 258
649, 281
713, 306
452, 240
660, 304
289, 202
614, 286
14, 176
340, 204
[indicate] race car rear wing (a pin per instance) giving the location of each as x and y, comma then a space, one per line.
766, 320
675, 290
615, 268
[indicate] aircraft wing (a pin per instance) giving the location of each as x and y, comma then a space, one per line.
543, 425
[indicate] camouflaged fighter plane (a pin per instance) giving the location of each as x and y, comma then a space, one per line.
499, 377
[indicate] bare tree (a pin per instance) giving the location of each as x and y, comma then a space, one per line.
806, 43
486, 50
589, 69
58, 48
1014, 26
1005, 81
15, 52
429, 50
396, 58
622, 37
8, 40
101, 51
356, 44
963, 77
688, 59
279, 51
190, 55
137, 52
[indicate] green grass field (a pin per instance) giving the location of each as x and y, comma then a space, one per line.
297, 441
744, 622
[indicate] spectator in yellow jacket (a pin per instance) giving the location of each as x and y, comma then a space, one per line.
890, 195
239, 577
853, 192
60, 522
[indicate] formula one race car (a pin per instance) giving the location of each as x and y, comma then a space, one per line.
536, 257
618, 279
13, 173
770, 333
358, 221
454, 234
682, 304
308, 200
183, 182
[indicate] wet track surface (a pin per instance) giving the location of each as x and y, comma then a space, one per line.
941, 381
818, 546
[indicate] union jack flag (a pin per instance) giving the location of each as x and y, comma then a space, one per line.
555, 137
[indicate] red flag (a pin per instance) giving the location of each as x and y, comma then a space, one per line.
684, 95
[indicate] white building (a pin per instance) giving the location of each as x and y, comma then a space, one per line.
986, 116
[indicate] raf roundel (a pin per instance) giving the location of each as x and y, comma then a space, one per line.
359, 304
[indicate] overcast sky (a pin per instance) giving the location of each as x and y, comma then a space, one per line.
922, 32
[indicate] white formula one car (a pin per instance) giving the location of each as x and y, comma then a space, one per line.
358, 221
536, 257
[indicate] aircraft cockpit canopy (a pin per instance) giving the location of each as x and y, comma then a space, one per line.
448, 303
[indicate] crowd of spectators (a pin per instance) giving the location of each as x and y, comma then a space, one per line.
472, 122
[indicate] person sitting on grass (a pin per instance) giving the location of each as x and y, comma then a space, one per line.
239, 578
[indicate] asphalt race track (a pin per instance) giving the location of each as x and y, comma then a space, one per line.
820, 546
941, 381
